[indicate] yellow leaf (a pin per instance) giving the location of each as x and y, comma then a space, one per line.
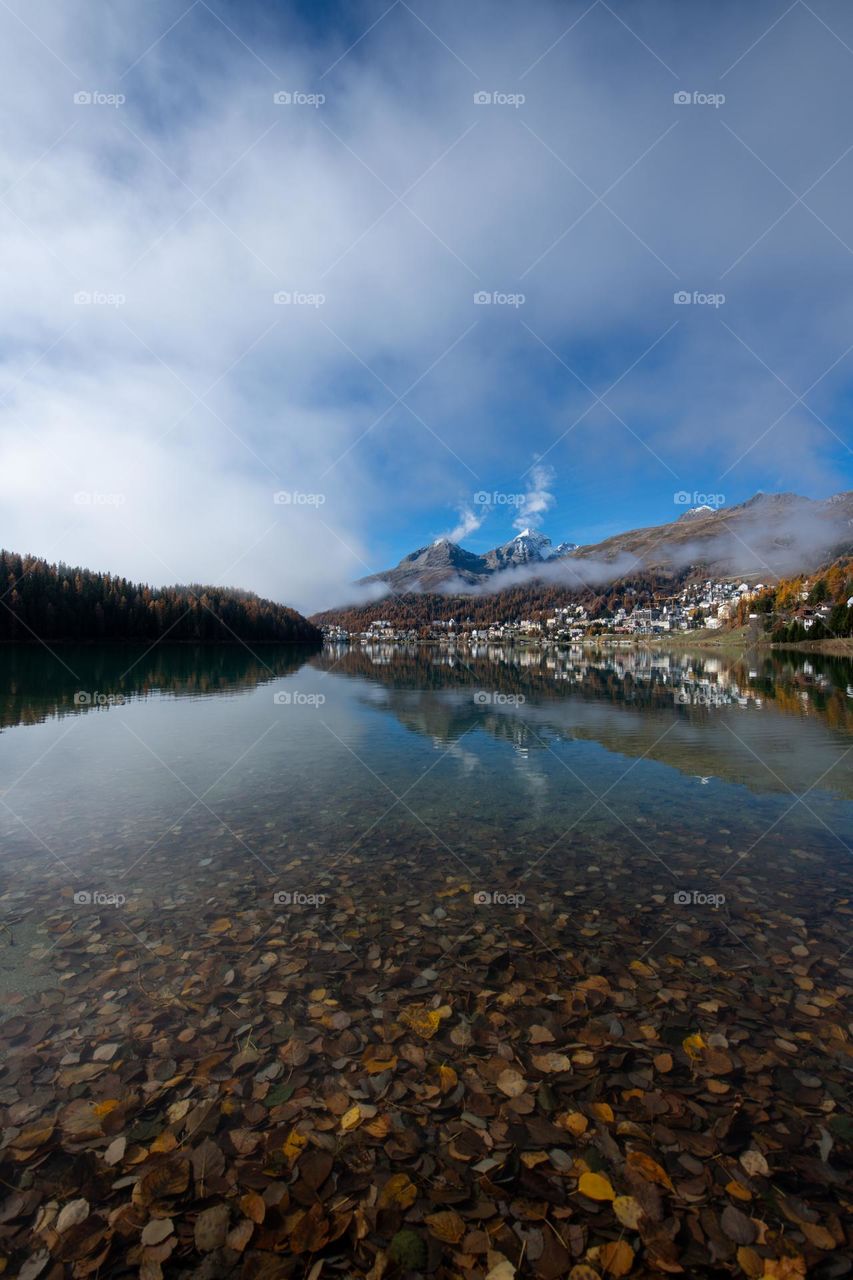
750, 1263
693, 1046
616, 1258
293, 1146
447, 1079
784, 1268
399, 1192
650, 1169
222, 925
424, 1022
166, 1141
574, 1121
351, 1119
629, 1211
737, 1190
596, 1187
373, 1066
602, 1111
104, 1108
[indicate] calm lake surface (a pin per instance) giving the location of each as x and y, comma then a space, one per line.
469, 930
178, 771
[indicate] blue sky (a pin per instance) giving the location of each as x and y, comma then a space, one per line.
157, 200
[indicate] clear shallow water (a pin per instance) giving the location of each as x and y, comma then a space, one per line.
217, 760
273, 895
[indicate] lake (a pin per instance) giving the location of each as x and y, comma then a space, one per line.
305, 882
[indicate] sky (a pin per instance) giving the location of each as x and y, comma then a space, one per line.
290, 290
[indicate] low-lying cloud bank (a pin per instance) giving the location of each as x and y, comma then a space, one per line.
768, 539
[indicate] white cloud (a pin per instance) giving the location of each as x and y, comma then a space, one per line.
538, 498
304, 398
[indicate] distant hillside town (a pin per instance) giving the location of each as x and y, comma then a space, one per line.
788, 610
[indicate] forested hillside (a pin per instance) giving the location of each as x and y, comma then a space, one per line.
54, 602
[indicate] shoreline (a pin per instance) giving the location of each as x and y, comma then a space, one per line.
732, 642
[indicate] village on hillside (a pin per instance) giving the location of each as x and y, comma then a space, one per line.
712, 605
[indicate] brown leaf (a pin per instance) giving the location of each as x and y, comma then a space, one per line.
650, 1169
737, 1226
253, 1206
211, 1228
157, 1230
511, 1082
446, 1226
165, 1181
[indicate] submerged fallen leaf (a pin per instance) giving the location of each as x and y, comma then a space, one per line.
424, 1022
596, 1187
399, 1192
511, 1082
650, 1169
446, 1226
629, 1211
351, 1119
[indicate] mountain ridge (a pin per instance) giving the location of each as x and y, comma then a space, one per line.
768, 531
